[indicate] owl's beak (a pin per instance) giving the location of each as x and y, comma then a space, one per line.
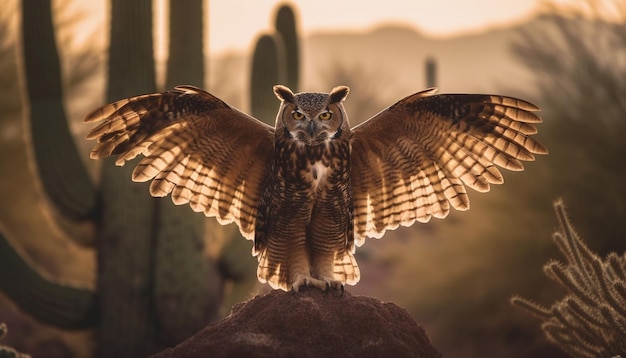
311, 129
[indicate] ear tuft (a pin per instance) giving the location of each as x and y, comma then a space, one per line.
338, 94
283, 93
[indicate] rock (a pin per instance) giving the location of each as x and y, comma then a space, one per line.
310, 323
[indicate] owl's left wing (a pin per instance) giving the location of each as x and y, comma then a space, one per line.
413, 160
196, 147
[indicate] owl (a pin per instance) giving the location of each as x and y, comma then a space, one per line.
310, 189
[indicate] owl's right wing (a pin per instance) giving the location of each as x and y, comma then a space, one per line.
413, 160
195, 147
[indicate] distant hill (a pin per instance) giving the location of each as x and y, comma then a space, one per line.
388, 62
479, 62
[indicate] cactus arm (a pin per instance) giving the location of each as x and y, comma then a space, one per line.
268, 69
51, 302
64, 178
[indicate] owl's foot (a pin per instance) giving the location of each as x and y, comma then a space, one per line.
324, 285
308, 281
335, 285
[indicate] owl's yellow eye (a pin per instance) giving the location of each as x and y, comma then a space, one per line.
297, 115
325, 116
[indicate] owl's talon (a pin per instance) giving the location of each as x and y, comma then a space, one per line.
338, 286
299, 283
308, 282
332, 285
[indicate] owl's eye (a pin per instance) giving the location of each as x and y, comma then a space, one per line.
297, 115
325, 116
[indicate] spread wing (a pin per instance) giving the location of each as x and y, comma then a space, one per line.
195, 147
413, 160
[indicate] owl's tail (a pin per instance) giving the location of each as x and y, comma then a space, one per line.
271, 272
346, 268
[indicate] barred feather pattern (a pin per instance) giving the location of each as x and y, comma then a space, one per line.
303, 226
414, 160
310, 190
195, 147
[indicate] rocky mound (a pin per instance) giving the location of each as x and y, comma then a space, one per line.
310, 323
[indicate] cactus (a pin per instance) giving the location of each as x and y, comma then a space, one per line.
63, 176
268, 69
431, 72
185, 64
275, 61
126, 228
154, 287
64, 179
188, 287
591, 320
286, 26
48, 301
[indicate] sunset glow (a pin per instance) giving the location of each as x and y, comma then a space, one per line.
233, 25
243, 19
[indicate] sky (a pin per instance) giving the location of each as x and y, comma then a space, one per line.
243, 19
235, 24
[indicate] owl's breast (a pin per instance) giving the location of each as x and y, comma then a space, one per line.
311, 170
316, 174
307, 186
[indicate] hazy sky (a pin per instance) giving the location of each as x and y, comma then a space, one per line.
235, 24
242, 20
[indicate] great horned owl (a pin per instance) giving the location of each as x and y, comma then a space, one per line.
311, 188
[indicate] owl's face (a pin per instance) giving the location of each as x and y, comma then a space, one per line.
312, 118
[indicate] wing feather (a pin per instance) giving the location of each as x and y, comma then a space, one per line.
195, 147
413, 160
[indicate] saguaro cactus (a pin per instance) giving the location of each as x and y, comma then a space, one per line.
286, 27
126, 228
268, 69
48, 301
275, 61
63, 176
154, 287
187, 286
431, 72
185, 64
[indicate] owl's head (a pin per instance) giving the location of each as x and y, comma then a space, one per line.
310, 117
